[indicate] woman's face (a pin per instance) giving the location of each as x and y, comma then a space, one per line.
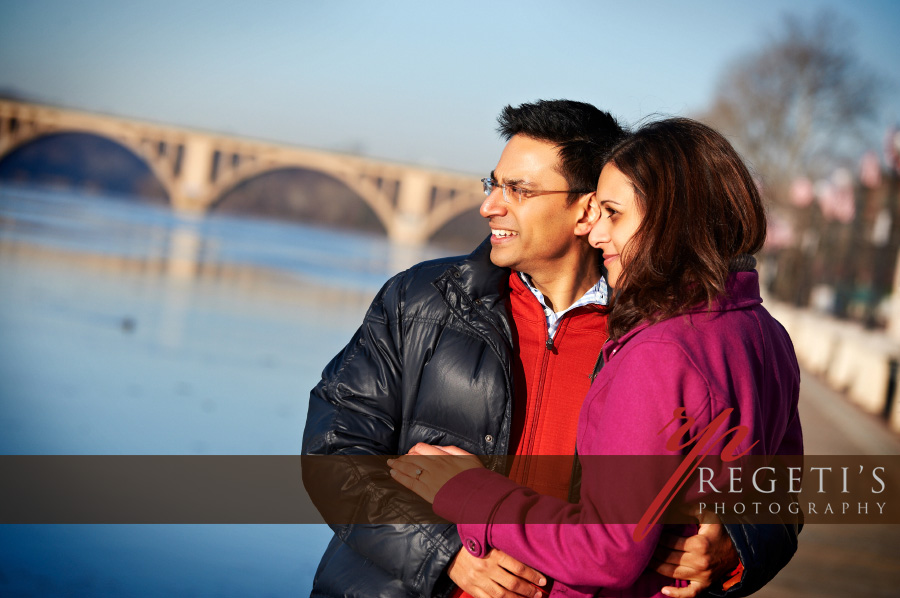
619, 219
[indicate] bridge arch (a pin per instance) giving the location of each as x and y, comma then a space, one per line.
461, 233
378, 200
23, 143
317, 196
447, 211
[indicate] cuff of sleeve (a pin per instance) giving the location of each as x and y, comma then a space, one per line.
734, 577
470, 499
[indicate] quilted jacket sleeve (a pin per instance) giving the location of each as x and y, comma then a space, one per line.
764, 550
356, 409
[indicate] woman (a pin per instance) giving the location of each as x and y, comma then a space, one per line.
678, 219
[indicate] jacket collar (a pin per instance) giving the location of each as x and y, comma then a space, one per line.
741, 292
480, 277
476, 291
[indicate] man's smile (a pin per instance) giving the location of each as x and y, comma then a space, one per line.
499, 235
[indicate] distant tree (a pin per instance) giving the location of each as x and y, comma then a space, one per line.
798, 107
798, 104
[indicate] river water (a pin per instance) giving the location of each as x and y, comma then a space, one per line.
125, 329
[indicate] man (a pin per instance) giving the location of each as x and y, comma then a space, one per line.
493, 353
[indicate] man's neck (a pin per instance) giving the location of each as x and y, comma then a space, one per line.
567, 282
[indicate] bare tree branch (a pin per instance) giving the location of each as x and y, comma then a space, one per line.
798, 105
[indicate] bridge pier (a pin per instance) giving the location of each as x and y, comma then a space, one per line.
6, 140
190, 189
410, 222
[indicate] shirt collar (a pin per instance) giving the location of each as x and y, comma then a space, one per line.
596, 295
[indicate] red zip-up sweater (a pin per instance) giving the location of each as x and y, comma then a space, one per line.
551, 379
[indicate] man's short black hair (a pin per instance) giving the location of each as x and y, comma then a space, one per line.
584, 135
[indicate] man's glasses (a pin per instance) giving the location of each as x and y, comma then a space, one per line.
511, 192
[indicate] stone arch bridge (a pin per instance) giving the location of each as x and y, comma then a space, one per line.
196, 168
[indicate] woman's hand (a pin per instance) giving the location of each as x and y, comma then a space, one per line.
426, 468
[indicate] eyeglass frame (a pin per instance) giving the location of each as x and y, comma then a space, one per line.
489, 184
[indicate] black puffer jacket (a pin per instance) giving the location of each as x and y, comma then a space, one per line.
431, 363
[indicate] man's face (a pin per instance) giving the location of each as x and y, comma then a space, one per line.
536, 235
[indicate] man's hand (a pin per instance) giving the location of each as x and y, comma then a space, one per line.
497, 575
702, 559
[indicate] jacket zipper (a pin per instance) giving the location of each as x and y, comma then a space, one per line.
542, 378
575, 477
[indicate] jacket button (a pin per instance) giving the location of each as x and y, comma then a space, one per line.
472, 546
478, 302
489, 438
456, 274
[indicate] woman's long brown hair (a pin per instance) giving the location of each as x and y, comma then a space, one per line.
701, 208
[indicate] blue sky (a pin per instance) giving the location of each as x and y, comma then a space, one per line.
418, 82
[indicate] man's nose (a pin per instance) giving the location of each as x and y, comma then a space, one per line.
493, 204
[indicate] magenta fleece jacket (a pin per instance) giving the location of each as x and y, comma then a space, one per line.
732, 356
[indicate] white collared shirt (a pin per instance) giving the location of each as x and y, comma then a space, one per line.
596, 295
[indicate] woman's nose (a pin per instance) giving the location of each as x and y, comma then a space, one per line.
599, 234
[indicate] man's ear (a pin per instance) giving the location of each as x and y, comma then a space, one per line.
589, 213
